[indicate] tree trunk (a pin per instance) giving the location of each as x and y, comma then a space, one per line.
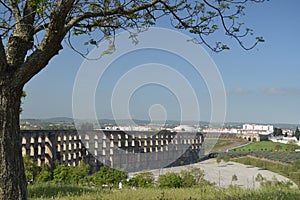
13, 184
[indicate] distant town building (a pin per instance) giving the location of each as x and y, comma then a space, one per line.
255, 132
257, 128
185, 128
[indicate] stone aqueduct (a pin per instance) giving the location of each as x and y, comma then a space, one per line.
131, 150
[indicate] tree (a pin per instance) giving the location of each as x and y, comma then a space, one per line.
259, 178
297, 133
234, 178
277, 132
32, 32
219, 159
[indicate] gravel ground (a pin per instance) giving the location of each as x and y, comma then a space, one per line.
222, 173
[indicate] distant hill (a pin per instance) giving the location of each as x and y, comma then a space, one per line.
51, 120
125, 122
60, 119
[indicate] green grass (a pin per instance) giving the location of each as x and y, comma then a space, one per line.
50, 190
81, 193
264, 146
215, 144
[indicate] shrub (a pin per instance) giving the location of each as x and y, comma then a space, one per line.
45, 174
78, 173
219, 159
226, 158
61, 174
109, 176
169, 180
143, 179
188, 179
31, 169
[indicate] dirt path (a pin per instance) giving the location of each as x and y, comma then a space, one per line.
222, 173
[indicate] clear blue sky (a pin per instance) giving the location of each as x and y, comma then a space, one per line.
263, 85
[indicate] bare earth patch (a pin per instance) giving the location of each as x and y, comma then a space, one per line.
222, 173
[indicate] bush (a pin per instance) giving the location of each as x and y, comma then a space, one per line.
143, 179
169, 180
219, 158
61, 174
78, 173
31, 169
45, 174
188, 179
109, 177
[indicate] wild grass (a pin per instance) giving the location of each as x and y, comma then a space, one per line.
218, 144
51, 190
60, 192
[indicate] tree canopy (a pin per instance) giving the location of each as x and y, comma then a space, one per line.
36, 28
32, 32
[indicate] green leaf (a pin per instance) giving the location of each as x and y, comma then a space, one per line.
235, 29
260, 39
225, 47
93, 42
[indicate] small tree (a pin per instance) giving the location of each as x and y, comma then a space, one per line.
198, 174
297, 133
259, 178
277, 132
219, 159
234, 178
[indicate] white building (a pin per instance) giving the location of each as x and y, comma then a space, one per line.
257, 128
185, 128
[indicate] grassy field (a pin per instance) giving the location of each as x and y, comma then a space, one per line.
215, 144
48, 191
276, 157
264, 146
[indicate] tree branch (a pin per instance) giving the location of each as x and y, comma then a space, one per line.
228, 32
21, 39
4, 4
50, 45
119, 10
15, 10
